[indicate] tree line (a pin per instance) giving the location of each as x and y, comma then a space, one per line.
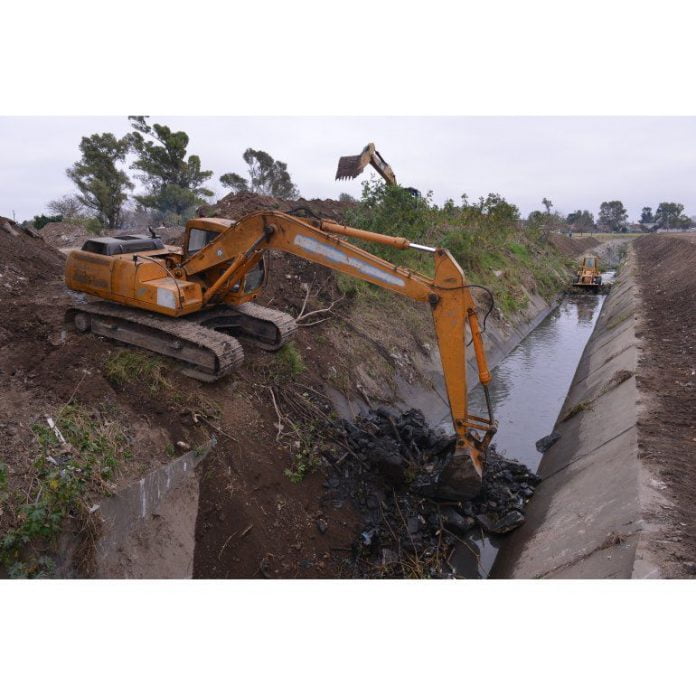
613, 216
173, 181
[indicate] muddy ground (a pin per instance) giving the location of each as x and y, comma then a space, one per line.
667, 381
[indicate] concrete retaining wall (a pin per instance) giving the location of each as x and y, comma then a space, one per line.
148, 528
587, 517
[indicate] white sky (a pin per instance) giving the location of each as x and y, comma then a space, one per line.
577, 162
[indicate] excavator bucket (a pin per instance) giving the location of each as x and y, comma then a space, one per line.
350, 166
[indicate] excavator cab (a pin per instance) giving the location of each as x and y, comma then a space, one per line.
201, 233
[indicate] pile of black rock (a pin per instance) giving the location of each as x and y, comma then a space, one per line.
394, 473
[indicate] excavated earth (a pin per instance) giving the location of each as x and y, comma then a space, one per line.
236, 205
667, 383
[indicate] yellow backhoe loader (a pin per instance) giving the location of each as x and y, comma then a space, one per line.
589, 276
351, 166
193, 303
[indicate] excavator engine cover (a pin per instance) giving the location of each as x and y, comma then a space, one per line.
125, 244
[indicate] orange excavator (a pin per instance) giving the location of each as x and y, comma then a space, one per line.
193, 303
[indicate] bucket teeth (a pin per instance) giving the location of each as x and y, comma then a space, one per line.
349, 167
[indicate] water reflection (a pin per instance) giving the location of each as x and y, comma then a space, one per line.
530, 385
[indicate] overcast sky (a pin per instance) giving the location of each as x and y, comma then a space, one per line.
577, 162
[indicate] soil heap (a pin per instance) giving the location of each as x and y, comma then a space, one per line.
236, 205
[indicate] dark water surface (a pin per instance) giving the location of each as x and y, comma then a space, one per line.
528, 389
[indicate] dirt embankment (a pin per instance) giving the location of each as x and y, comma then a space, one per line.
572, 246
667, 381
46, 371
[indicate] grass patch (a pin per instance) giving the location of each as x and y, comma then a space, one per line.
290, 361
130, 366
63, 479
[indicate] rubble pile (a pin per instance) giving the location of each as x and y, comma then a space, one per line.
392, 474
64, 234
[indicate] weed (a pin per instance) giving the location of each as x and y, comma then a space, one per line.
574, 410
306, 459
290, 361
96, 447
304, 462
129, 366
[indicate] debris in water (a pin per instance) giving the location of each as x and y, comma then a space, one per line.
393, 476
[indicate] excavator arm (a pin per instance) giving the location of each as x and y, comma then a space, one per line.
240, 248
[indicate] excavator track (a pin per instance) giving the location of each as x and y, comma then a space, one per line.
265, 328
205, 354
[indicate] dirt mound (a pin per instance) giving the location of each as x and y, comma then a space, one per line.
24, 258
572, 246
667, 432
236, 205
64, 234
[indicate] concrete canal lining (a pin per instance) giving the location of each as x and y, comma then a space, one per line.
587, 518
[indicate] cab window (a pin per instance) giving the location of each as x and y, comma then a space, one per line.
589, 262
254, 278
200, 238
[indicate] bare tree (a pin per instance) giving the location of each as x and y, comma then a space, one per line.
69, 207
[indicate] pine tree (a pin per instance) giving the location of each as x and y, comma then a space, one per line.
173, 182
102, 187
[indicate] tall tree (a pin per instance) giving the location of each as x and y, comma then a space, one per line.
670, 216
582, 220
173, 182
235, 182
547, 204
103, 187
613, 215
267, 176
646, 215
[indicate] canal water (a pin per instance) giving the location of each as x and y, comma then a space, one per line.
527, 391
